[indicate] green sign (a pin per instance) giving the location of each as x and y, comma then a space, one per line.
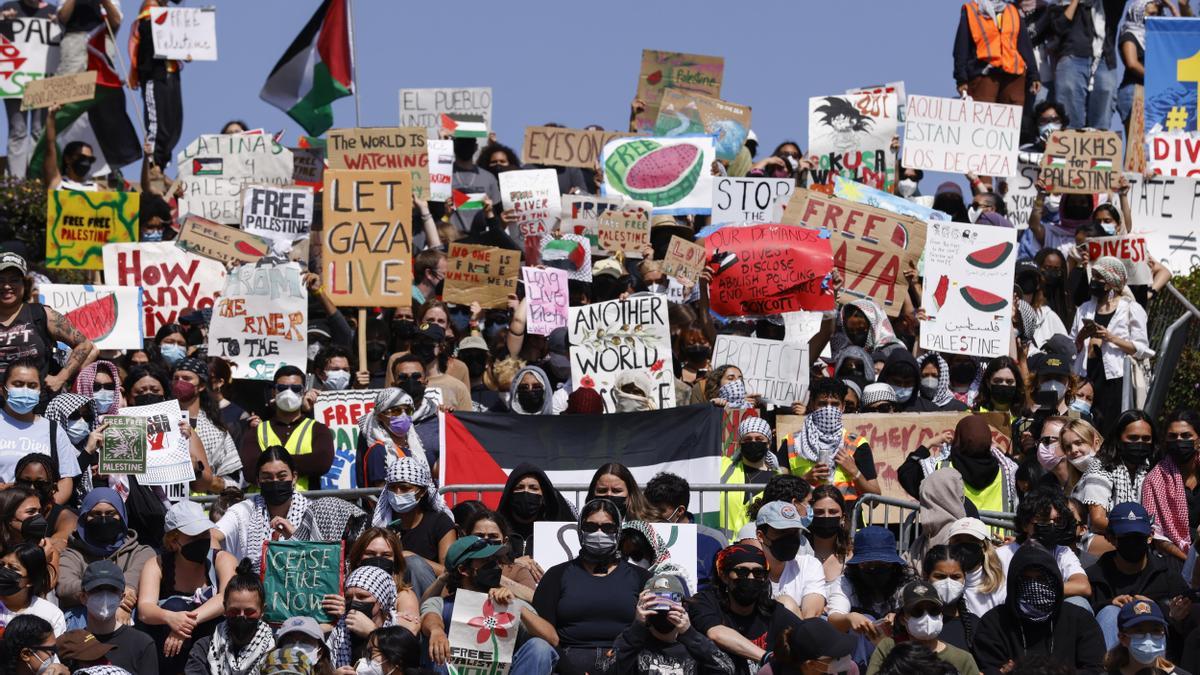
123, 449
297, 575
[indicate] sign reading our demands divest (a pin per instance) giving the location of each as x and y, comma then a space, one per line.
214, 169
961, 136
610, 338
769, 269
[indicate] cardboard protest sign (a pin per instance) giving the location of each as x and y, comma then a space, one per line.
570, 253
683, 113
961, 136
1020, 191
533, 194
184, 33
749, 200
968, 289
661, 70
618, 336
869, 196
871, 247
79, 224
260, 322
557, 542
673, 174
170, 278
1082, 162
214, 169
581, 215
367, 254
1165, 211
775, 370
482, 635
483, 274
123, 448
308, 167
59, 90
109, 316
683, 259
1129, 249
341, 411
425, 107
769, 269
883, 92
546, 299
30, 52
559, 146
1172, 72
229, 245
625, 229
167, 459
441, 168
382, 149
297, 575
852, 135
277, 212
1135, 137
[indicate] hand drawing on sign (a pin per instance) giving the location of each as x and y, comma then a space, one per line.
125, 443
844, 122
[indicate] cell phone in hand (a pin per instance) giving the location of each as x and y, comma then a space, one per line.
665, 600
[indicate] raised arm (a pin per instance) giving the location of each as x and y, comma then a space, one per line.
50, 161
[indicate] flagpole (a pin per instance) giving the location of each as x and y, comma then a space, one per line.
354, 65
124, 76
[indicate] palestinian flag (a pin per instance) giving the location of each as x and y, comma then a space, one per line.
315, 71
465, 126
467, 202
1058, 162
101, 122
1100, 164
564, 254
482, 448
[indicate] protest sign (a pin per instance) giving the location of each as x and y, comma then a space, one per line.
109, 316
968, 289
546, 299
570, 253
852, 134
769, 269
382, 149
775, 370
1172, 72
214, 169
59, 90
1135, 138
1129, 249
1173, 153
559, 146
297, 575
229, 245
79, 224
341, 411
869, 196
367, 256
961, 136
171, 279
483, 274
557, 542
123, 448
308, 167
620, 336
277, 212
184, 33
683, 113
581, 215
1165, 211
168, 461
673, 174
625, 229
425, 107
441, 168
260, 322
683, 259
661, 70
881, 94
482, 635
30, 52
1082, 162
871, 247
749, 200
1019, 193
533, 195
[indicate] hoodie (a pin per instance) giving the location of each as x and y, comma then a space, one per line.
941, 496
1070, 636
547, 397
555, 506
856, 354
897, 359
129, 555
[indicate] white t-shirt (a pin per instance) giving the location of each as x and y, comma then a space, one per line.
801, 577
841, 596
1068, 564
18, 439
39, 607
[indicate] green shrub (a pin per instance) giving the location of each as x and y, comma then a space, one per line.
23, 209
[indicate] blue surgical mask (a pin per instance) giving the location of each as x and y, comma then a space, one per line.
337, 380
105, 398
23, 400
1081, 406
172, 353
807, 518
903, 393
152, 235
77, 430
402, 503
1146, 649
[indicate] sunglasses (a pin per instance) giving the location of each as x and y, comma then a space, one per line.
591, 528
106, 386
249, 613
403, 377
280, 388
1048, 440
757, 573
918, 612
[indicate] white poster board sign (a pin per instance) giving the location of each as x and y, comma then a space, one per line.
775, 370
168, 461
109, 316
956, 135
558, 542
441, 168
424, 107
750, 200
482, 635
30, 52
1166, 211
283, 213
260, 322
184, 33
171, 279
618, 336
215, 168
341, 411
534, 196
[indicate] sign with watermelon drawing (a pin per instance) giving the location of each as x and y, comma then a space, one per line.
79, 224
621, 336
171, 279
689, 72
214, 168
763, 270
260, 322
673, 174
229, 245
968, 289
534, 197
109, 316
1082, 162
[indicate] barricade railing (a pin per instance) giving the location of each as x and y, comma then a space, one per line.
905, 514
1172, 327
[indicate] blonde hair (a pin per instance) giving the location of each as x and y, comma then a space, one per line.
1082, 429
993, 571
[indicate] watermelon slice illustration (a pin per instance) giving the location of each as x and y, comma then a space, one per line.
982, 300
246, 248
654, 78
97, 319
939, 295
162, 19
648, 171
991, 257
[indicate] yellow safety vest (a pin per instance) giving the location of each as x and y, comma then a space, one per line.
299, 443
990, 498
734, 505
843, 481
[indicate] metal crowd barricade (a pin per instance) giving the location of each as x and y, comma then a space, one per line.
905, 515
1172, 327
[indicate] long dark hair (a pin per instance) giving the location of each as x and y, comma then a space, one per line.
33, 559
399, 646
274, 453
10, 500
1109, 455
943, 553
1188, 416
1020, 399
866, 594
244, 579
842, 542
635, 503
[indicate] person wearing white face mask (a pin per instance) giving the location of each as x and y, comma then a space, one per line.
103, 584
921, 621
944, 571
29, 648
309, 442
334, 373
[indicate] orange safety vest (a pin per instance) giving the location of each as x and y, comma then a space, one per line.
996, 45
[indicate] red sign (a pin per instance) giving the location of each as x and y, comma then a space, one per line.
769, 269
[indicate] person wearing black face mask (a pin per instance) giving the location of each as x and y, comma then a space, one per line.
866, 593
78, 158
662, 640
473, 352
801, 577
1168, 489
24, 579
1044, 516
431, 349
1118, 472
1108, 329
530, 392
528, 497
241, 642
753, 464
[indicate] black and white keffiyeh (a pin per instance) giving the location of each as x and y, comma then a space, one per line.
300, 515
222, 660
379, 584
752, 425
821, 435
943, 396
413, 472
373, 431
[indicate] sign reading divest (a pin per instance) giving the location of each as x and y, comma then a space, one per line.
260, 323
109, 316
547, 299
341, 411
278, 212
79, 224
769, 269
297, 575
382, 149
229, 245
171, 279
483, 274
30, 52
961, 136
1082, 162
558, 146
1165, 212
425, 107
367, 256
775, 370
871, 246
1129, 249
215, 168
618, 336
689, 72
750, 200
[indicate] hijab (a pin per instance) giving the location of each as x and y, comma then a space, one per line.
971, 452
85, 382
413, 471
547, 396
879, 335
98, 496
374, 431
943, 396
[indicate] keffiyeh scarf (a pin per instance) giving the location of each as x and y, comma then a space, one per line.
406, 470
1135, 21
734, 394
223, 661
821, 435
753, 424
1165, 498
85, 382
375, 432
299, 515
879, 336
943, 396
379, 584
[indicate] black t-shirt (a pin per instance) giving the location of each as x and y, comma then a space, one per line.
589, 610
85, 18
864, 459
1095, 360
43, 11
1130, 76
706, 613
424, 538
135, 651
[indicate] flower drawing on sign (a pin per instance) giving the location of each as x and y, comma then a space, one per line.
491, 625
587, 382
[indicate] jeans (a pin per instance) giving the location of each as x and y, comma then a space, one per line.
1085, 108
24, 128
535, 657
1107, 618
1125, 103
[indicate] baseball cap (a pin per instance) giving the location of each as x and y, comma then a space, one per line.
1053, 365
103, 574
814, 639
470, 548
431, 331
916, 592
670, 583
286, 662
971, 526
1138, 612
472, 342
1128, 518
188, 517
556, 341
10, 260
303, 625
607, 267
778, 515
1026, 267
80, 645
